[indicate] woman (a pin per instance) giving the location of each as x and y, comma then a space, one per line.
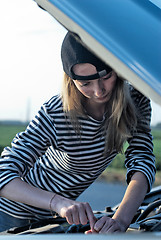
72, 140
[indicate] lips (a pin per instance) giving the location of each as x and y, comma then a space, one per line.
103, 97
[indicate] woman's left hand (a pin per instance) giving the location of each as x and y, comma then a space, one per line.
107, 225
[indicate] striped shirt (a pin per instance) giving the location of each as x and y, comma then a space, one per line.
50, 155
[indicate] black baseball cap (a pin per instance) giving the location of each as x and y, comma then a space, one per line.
74, 52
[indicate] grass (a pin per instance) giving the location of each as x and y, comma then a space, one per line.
7, 133
118, 162
119, 175
116, 172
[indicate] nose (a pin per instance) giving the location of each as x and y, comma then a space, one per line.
99, 89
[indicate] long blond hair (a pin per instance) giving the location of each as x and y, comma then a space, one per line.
121, 113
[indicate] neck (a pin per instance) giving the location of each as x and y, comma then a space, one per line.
95, 110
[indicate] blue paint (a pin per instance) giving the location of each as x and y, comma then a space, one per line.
130, 29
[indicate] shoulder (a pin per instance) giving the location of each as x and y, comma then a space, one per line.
143, 107
53, 106
137, 96
141, 102
54, 102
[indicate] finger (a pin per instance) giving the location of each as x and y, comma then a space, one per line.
117, 231
75, 215
106, 228
111, 229
84, 213
100, 223
90, 215
69, 217
88, 232
109, 226
114, 228
83, 216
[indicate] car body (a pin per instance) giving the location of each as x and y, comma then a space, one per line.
126, 34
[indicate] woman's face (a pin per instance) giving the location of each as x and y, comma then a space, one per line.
98, 90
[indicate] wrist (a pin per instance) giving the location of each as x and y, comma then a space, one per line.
122, 222
50, 203
53, 204
56, 202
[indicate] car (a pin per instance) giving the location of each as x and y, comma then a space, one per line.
126, 34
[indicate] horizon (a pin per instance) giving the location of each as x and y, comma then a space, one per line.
32, 72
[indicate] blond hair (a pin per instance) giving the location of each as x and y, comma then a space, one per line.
121, 113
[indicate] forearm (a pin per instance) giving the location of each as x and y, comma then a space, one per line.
20, 191
74, 212
133, 198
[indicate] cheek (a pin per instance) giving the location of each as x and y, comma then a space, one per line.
110, 85
80, 89
85, 92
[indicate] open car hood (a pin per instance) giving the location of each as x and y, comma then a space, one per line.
125, 34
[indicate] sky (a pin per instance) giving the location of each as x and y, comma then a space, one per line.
30, 65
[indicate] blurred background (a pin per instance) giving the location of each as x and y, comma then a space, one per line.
31, 73
30, 64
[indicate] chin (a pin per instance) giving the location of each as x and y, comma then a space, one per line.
103, 99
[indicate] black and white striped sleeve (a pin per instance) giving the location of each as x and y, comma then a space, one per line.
139, 154
26, 148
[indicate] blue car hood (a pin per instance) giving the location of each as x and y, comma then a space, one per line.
125, 34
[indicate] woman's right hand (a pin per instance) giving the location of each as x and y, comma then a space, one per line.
74, 212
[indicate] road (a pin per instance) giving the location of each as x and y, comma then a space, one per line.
102, 194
